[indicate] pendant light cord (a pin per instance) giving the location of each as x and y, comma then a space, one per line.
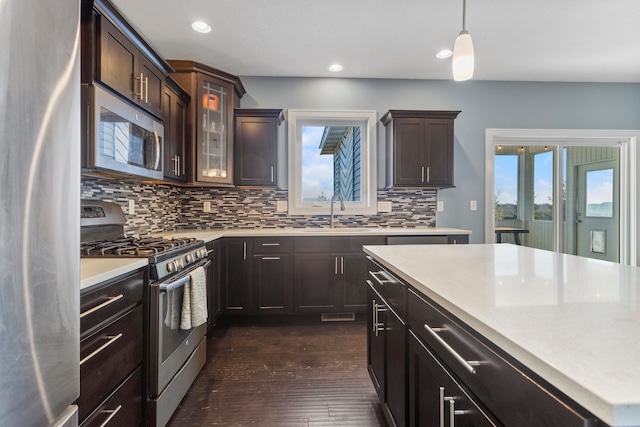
464, 15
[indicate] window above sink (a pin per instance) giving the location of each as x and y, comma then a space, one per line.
332, 152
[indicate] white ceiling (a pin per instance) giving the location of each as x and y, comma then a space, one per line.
520, 40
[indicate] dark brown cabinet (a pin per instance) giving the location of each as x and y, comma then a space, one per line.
111, 352
386, 355
214, 291
256, 147
174, 112
210, 126
435, 398
123, 67
419, 148
272, 276
237, 263
329, 274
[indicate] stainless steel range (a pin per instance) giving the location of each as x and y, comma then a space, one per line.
176, 352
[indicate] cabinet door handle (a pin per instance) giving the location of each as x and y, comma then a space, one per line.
342, 265
110, 300
146, 90
379, 308
271, 258
270, 244
335, 270
428, 175
141, 93
377, 279
271, 173
112, 413
422, 174
468, 364
111, 340
441, 407
244, 250
178, 163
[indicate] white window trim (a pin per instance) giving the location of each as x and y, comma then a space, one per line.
367, 120
625, 139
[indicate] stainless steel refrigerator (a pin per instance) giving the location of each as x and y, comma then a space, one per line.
39, 212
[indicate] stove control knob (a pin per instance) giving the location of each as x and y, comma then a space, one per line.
171, 266
179, 264
203, 253
189, 258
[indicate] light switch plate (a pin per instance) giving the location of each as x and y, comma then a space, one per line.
132, 207
440, 206
281, 206
206, 206
384, 207
473, 205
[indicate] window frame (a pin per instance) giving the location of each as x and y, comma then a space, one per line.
366, 120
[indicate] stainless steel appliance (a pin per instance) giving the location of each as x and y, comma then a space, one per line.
40, 190
121, 139
176, 356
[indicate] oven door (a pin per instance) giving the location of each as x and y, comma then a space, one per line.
170, 346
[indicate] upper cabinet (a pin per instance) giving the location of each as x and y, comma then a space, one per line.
419, 148
210, 133
174, 112
256, 147
114, 54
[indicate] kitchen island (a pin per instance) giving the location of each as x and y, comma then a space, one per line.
572, 321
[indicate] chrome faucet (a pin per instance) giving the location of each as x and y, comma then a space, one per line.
342, 208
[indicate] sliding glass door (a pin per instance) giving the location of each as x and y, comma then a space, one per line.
560, 196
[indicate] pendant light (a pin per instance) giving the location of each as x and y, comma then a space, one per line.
463, 51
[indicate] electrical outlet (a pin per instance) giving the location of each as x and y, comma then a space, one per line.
473, 205
206, 206
384, 207
440, 206
132, 207
281, 206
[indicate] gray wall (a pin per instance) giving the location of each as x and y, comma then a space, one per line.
483, 104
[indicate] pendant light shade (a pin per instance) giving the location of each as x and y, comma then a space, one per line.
463, 57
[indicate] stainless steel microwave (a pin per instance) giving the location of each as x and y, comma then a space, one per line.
121, 139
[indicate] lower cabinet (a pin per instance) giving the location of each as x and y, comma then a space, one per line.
214, 291
386, 357
435, 398
111, 352
237, 275
272, 276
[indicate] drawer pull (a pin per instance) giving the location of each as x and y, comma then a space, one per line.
110, 300
271, 258
112, 413
468, 364
112, 339
270, 244
377, 279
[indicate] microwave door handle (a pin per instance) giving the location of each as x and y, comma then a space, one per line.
156, 138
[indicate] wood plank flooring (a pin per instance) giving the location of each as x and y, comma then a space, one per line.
304, 374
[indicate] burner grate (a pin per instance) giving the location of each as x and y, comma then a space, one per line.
134, 246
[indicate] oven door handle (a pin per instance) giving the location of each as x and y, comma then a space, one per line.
168, 287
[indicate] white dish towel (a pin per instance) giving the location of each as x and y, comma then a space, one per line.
194, 300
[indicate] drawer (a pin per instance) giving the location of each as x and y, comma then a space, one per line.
507, 388
123, 408
392, 289
335, 244
99, 306
107, 357
271, 245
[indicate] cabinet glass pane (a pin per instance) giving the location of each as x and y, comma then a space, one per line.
214, 132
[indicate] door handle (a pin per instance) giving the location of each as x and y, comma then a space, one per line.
156, 139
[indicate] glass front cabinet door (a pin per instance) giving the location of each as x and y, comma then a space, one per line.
214, 96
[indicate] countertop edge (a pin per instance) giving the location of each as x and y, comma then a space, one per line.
94, 271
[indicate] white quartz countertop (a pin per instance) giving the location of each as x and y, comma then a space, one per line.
97, 270
213, 234
574, 321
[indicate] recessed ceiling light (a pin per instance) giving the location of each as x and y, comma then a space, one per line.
335, 68
444, 53
201, 27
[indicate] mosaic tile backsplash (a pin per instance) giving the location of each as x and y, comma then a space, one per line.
164, 207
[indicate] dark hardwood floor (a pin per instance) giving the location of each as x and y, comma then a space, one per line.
303, 374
